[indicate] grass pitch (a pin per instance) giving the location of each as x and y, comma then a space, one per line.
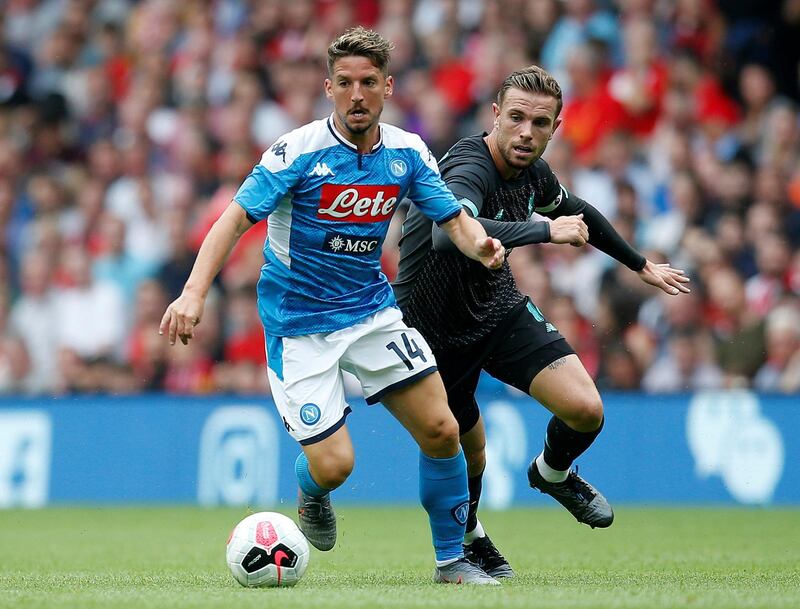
144, 558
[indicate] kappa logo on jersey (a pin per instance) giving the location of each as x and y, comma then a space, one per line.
357, 202
350, 244
279, 149
321, 170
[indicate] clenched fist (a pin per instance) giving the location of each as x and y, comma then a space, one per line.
569, 229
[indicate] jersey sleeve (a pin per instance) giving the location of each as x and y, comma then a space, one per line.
469, 179
275, 175
428, 191
552, 199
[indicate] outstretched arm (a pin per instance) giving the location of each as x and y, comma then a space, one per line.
470, 237
566, 229
186, 311
604, 237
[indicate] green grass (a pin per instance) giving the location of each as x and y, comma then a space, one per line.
174, 558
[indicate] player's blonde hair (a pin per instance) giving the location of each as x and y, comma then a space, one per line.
532, 79
361, 42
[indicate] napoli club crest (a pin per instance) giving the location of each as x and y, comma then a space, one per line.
310, 413
398, 168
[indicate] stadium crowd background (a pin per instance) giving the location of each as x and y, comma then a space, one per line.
126, 127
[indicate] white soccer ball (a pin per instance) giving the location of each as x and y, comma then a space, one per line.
267, 549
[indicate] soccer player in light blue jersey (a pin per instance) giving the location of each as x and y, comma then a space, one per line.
330, 189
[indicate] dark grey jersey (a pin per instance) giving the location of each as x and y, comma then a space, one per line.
455, 301
450, 298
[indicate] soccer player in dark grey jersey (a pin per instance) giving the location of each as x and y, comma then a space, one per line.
476, 319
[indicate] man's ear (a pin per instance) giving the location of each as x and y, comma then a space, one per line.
328, 88
556, 125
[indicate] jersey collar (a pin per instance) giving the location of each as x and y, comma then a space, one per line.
344, 142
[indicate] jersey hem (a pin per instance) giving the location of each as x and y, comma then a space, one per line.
326, 329
450, 217
250, 217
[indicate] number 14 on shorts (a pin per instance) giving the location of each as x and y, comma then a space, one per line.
409, 351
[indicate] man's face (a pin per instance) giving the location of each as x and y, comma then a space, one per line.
357, 89
523, 125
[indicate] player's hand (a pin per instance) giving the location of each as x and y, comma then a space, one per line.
665, 277
569, 229
491, 253
181, 317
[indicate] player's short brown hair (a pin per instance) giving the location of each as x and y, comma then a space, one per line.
532, 79
361, 42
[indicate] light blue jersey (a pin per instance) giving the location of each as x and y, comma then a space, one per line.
329, 209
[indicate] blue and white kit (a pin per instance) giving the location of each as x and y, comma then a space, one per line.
329, 209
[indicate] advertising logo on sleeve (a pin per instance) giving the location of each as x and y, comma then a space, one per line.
357, 202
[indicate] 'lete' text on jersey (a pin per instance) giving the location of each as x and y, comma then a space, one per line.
329, 208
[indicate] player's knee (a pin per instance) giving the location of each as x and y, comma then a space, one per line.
587, 414
333, 469
440, 437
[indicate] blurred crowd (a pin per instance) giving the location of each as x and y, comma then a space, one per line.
126, 127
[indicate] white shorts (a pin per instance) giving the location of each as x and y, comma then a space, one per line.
305, 372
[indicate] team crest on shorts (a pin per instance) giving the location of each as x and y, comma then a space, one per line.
310, 413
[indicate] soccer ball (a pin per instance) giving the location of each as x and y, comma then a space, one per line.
267, 549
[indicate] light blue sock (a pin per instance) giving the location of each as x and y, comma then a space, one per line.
304, 479
444, 494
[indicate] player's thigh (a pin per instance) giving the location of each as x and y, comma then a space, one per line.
532, 356
567, 390
523, 347
331, 459
307, 387
421, 408
396, 366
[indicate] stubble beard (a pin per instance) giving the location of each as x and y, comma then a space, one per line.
358, 130
507, 152
514, 163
